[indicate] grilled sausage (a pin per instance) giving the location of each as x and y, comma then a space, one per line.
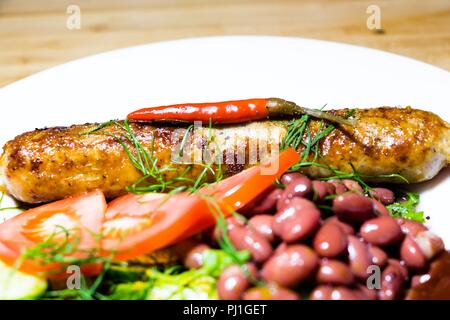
49, 164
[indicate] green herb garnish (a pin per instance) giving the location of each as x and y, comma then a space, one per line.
299, 134
406, 208
5, 208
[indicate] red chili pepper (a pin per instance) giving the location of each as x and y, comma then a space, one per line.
219, 112
227, 112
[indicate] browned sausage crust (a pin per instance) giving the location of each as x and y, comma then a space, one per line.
49, 164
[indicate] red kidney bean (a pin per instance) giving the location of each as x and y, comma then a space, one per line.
411, 253
263, 224
291, 266
194, 257
184, 248
381, 231
234, 281
338, 293
321, 189
419, 279
334, 272
417, 249
233, 222
287, 178
401, 267
343, 293
296, 223
353, 185
281, 247
345, 227
429, 243
299, 203
380, 209
378, 256
283, 202
300, 187
246, 239
321, 293
353, 208
368, 294
411, 227
270, 292
392, 280
268, 203
359, 257
339, 187
331, 188
330, 241
385, 196
247, 210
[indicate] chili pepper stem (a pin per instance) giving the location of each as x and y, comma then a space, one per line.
279, 107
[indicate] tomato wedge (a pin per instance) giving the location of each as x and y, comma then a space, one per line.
156, 224
138, 224
77, 220
242, 188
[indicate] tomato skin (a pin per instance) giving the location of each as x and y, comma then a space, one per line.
27, 229
153, 221
170, 218
255, 182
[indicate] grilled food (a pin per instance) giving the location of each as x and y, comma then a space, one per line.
49, 164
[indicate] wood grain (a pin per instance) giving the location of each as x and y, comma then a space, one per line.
34, 35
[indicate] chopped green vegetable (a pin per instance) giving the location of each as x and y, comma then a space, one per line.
131, 291
406, 208
193, 284
15, 285
214, 261
172, 285
189, 285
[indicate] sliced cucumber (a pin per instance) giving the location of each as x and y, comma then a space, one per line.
16, 285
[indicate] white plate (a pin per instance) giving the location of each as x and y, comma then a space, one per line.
310, 72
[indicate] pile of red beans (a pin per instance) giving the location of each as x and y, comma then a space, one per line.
325, 240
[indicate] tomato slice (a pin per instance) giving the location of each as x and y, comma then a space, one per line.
155, 224
241, 189
138, 224
77, 219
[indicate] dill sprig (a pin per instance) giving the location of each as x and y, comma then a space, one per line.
5, 208
355, 175
153, 179
299, 128
153, 176
201, 180
295, 131
184, 140
299, 134
63, 252
54, 251
221, 232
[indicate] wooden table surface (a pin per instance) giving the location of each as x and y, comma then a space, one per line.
34, 34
